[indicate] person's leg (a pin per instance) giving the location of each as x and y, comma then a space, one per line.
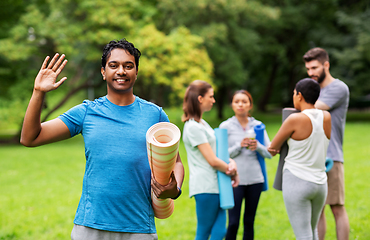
341, 221
219, 227
297, 194
318, 204
252, 196
207, 209
336, 200
234, 213
321, 226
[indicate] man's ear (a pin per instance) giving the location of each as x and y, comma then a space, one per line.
327, 65
102, 70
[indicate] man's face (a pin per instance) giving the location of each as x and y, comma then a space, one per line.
120, 71
316, 70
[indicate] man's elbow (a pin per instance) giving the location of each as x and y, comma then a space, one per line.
26, 143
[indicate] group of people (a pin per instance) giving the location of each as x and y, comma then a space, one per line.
117, 184
200, 144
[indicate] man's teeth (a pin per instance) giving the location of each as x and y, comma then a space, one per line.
121, 80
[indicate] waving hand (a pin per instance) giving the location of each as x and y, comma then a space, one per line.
46, 79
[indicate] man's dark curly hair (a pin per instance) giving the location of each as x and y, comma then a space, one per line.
123, 44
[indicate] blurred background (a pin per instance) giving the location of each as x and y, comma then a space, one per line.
234, 44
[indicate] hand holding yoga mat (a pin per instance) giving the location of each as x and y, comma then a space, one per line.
162, 144
224, 181
260, 137
278, 183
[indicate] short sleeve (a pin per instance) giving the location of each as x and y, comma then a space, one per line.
334, 95
195, 133
74, 118
163, 116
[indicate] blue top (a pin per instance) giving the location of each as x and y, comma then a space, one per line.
116, 192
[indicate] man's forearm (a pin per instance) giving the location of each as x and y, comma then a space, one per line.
179, 171
321, 105
32, 123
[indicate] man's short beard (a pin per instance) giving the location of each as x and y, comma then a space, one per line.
321, 78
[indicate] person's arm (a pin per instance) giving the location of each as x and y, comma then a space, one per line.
35, 133
214, 161
285, 131
262, 147
173, 188
179, 171
235, 150
321, 105
229, 169
327, 124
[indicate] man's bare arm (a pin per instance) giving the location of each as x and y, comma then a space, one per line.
321, 105
35, 133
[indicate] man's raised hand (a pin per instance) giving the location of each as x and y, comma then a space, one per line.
46, 79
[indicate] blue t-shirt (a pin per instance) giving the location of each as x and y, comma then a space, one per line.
116, 192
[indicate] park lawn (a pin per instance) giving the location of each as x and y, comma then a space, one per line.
40, 189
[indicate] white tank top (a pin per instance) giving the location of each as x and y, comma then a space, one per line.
306, 158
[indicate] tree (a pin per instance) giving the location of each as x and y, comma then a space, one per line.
170, 63
338, 26
228, 28
258, 45
80, 29
352, 59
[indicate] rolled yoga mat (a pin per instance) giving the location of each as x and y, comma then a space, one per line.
260, 137
278, 183
162, 140
224, 181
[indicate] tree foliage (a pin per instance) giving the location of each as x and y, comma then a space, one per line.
230, 31
255, 44
80, 29
259, 45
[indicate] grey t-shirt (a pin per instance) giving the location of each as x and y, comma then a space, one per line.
336, 96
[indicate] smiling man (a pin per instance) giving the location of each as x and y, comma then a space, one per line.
116, 193
334, 97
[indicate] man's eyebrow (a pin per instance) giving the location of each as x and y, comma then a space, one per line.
113, 61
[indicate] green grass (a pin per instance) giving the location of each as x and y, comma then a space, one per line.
40, 189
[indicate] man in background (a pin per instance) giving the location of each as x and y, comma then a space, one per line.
334, 97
